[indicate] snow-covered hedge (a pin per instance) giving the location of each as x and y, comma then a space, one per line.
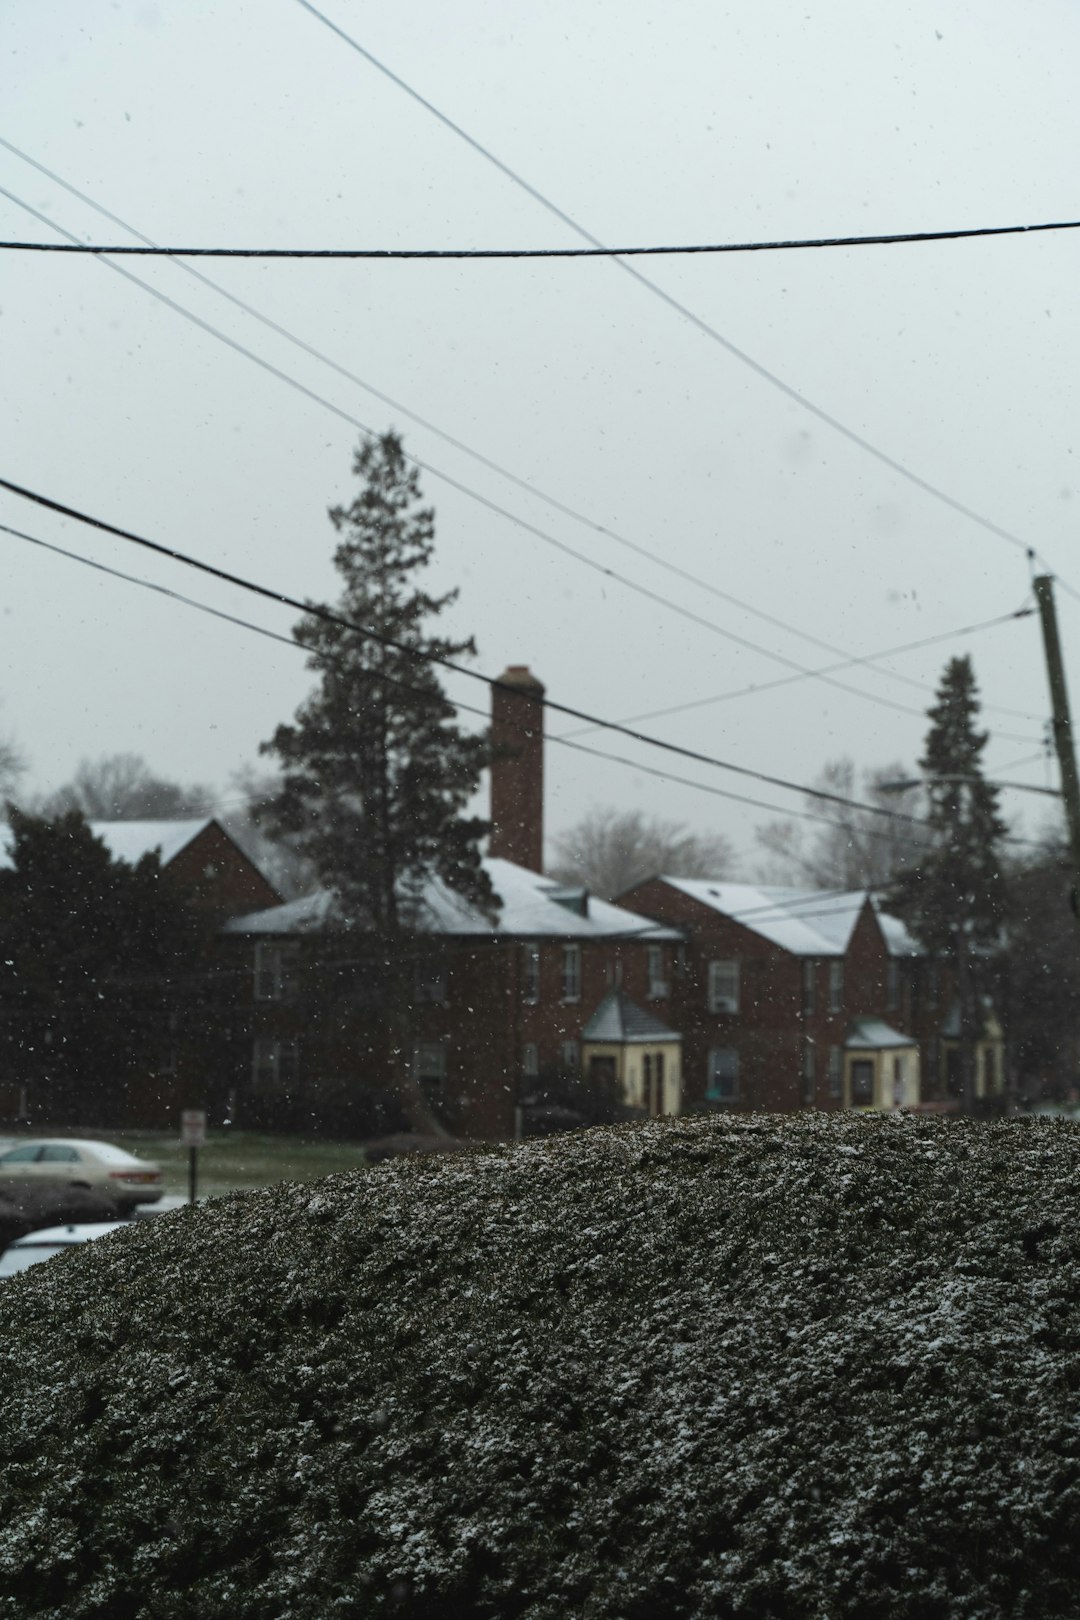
812, 1367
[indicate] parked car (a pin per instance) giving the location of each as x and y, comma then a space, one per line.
98, 1165
37, 1246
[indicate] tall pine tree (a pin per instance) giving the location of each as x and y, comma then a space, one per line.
952, 895
376, 774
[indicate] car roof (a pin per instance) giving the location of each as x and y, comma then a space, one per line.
61, 1236
95, 1146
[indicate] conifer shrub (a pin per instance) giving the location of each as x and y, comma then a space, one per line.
815, 1367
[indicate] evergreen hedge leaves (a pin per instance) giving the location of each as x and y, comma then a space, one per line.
812, 1367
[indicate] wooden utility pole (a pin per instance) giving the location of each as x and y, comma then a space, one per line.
1063, 736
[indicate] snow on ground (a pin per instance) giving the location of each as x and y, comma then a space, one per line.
813, 1367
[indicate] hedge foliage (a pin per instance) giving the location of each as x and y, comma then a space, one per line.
812, 1367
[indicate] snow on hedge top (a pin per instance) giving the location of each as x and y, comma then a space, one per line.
529, 909
818, 1368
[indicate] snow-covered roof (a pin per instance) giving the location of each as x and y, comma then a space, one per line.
806, 922
129, 841
875, 1035
621, 1021
530, 910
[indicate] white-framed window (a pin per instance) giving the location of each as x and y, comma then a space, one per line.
430, 983
571, 973
836, 987
809, 985
659, 986
275, 1066
892, 984
836, 1071
275, 971
429, 1067
530, 1060
724, 987
570, 1055
530, 973
722, 1079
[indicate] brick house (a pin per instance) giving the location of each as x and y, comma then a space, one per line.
792, 999
494, 1007
497, 1009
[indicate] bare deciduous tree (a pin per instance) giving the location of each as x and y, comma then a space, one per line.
610, 850
122, 787
850, 848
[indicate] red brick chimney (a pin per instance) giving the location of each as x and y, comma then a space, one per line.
517, 778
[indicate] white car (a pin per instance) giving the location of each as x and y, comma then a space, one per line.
36, 1246
97, 1165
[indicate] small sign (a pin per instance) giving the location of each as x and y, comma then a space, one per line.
193, 1128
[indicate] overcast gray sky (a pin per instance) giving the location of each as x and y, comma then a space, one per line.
254, 125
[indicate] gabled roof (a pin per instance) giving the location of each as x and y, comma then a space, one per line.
129, 841
620, 1021
805, 922
875, 1035
533, 907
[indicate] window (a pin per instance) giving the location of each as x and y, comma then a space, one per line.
275, 1066
55, 1154
836, 1072
429, 1068
836, 987
275, 978
809, 1074
862, 1083
22, 1155
722, 1081
892, 984
569, 1055
658, 983
430, 983
530, 974
571, 973
724, 987
809, 985
530, 1060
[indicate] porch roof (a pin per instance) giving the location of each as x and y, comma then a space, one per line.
620, 1022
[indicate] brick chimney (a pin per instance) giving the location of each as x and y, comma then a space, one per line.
517, 778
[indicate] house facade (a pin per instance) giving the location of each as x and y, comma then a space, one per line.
792, 999
498, 1014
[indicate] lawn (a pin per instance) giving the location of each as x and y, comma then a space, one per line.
239, 1159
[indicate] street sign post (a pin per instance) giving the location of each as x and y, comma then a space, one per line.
193, 1137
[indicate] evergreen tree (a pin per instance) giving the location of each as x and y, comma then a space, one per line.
952, 895
376, 775
92, 952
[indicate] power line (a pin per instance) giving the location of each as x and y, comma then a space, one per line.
328, 616
688, 314
478, 456
779, 245
483, 500
465, 708
890, 652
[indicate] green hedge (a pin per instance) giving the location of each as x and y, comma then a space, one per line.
812, 1367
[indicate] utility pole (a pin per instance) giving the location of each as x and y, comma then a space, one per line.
1063, 736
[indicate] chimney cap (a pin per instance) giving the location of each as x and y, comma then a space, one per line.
520, 675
